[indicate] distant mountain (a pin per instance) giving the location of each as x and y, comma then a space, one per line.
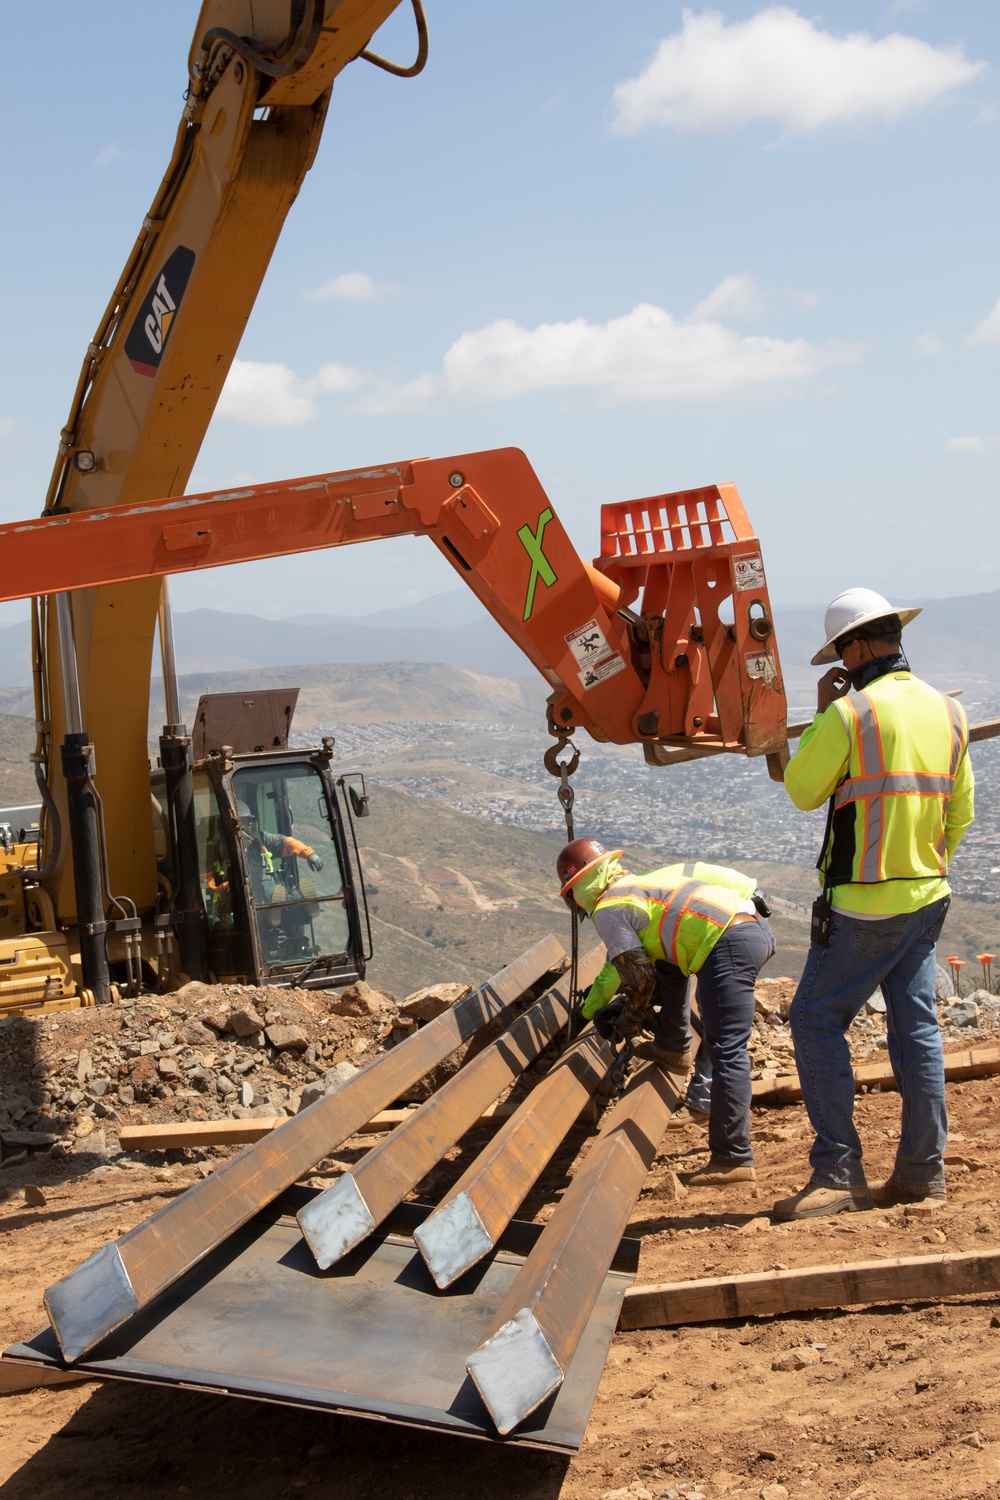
954, 643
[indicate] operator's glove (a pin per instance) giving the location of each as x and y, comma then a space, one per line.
608, 1020
314, 862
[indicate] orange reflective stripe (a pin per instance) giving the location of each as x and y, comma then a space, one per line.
687, 901
958, 730
894, 784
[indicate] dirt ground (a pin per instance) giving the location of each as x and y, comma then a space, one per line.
904, 1402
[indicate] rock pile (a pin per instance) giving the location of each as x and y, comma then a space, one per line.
70, 1080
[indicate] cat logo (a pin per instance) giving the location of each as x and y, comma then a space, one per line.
150, 330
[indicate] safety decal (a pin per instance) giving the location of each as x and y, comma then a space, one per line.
147, 338
600, 671
749, 572
541, 568
761, 665
589, 644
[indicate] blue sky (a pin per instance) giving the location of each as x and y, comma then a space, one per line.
653, 246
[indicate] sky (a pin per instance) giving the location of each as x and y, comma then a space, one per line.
655, 246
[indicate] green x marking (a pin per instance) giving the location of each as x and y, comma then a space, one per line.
540, 565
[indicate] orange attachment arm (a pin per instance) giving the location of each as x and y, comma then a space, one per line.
614, 673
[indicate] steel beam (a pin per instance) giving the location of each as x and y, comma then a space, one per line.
474, 1214
127, 1274
530, 1344
345, 1213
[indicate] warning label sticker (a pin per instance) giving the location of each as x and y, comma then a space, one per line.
602, 670
589, 644
760, 664
749, 572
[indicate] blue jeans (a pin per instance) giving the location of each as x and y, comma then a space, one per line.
699, 1090
898, 954
726, 996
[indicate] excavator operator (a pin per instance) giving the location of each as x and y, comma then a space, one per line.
658, 929
262, 849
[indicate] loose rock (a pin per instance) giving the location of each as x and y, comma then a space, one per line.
245, 1022
795, 1359
961, 1013
286, 1038
433, 1000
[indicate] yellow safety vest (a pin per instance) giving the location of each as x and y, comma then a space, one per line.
683, 919
890, 811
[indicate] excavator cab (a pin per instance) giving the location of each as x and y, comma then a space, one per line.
284, 902
282, 896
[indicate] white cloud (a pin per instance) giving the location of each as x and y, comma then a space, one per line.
8, 427
988, 331
272, 395
109, 154
781, 66
737, 295
929, 344
351, 286
980, 446
644, 355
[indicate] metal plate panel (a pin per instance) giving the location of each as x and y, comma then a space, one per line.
371, 1337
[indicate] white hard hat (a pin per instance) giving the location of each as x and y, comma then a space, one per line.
850, 609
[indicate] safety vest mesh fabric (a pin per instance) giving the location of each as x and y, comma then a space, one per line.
890, 811
683, 920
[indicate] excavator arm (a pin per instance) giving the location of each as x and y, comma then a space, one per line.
260, 75
684, 675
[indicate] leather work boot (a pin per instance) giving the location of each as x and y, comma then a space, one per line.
720, 1174
814, 1201
683, 1117
890, 1194
670, 1062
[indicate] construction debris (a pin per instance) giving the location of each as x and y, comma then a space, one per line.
206, 1053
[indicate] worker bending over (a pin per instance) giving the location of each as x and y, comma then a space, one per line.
893, 761
658, 929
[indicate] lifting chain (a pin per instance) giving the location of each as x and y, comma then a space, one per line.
563, 766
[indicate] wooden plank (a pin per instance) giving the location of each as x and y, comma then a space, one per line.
759, 1294
25, 1377
189, 1133
976, 1062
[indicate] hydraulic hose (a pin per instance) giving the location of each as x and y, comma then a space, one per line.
396, 69
294, 52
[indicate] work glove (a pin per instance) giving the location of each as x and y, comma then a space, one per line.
608, 1020
314, 862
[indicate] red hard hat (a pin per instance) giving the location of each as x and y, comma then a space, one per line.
579, 857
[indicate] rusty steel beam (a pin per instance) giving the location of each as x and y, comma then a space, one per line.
537, 1329
345, 1213
471, 1218
127, 1274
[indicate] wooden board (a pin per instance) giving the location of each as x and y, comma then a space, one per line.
915, 1278
170, 1137
976, 1062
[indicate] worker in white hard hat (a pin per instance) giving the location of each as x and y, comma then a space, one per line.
889, 754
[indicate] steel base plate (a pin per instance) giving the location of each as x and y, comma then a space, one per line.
371, 1337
